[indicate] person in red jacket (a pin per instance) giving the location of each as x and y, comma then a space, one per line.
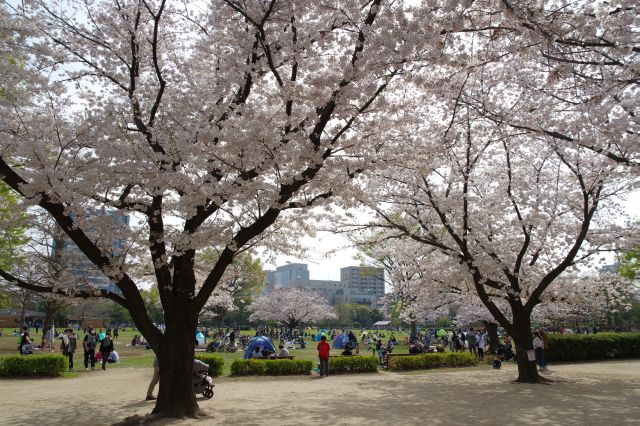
323, 354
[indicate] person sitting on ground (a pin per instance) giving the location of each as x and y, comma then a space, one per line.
283, 351
134, 340
113, 357
213, 346
347, 350
257, 353
25, 339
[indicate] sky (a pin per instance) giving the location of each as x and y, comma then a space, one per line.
324, 265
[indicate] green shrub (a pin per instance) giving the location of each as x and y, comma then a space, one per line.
215, 362
270, 367
433, 360
32, 365
580, 347
353, 364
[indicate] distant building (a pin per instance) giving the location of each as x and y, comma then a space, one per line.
358, 284
364, 284
291, 275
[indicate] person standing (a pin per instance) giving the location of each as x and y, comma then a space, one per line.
323, 355
232, 338
64, 345
481, 346
115, 333
538, 347
89, 344
106, 347
472, 342
73, 344
48, 339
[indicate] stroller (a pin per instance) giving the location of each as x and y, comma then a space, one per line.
202, 382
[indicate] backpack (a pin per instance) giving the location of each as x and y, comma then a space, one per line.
91, 341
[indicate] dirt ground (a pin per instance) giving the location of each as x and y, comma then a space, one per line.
606, 393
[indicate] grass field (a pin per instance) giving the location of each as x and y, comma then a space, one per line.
137, 357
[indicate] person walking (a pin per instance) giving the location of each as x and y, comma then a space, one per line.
154, 380
323, 355
106, 347
89, 345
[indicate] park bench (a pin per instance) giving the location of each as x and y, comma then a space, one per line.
274, 357
388, 358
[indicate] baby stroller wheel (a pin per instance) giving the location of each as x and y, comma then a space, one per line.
207, 393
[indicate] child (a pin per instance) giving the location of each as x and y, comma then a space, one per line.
497, 362
323, 355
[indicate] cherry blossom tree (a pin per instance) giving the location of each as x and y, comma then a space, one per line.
510, 212
518, 158
210, 122
206, 122
291, 308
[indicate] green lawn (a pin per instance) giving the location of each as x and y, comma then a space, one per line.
133, 357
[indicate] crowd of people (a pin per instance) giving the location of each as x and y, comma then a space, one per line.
97, 345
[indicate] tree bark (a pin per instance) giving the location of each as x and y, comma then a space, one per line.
492, 332
523, 339
175, 356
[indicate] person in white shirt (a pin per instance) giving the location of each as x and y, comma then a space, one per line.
283, 351
538, 347
480, 346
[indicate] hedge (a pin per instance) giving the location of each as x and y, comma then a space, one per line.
215, 362
580, 347
353, 364
432, 360
33, 365
270, 367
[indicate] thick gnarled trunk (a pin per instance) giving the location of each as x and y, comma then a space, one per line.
523, 339
492, 333
175, 356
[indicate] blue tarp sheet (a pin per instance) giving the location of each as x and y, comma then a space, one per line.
320, 334
263, 341
340, 341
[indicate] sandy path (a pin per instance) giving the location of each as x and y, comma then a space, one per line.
605, 393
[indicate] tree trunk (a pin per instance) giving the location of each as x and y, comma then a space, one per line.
414, 330
492, 332
23, 310
175, 355
49, 313
527, 370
